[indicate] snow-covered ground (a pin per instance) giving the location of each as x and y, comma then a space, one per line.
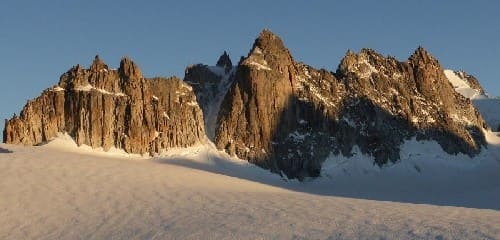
461, 85
58, 191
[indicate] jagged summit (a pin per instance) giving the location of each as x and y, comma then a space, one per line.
268, 52
358, 63
98, 65
269, 40
422, 56
269, 43
129, 69
225, 62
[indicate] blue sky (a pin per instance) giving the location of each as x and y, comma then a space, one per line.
40, 40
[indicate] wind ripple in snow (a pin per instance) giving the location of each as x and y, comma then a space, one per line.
49, 193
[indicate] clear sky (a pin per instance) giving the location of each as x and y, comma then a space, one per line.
40, 40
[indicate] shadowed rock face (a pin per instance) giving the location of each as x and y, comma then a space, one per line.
225, 62
289, 117
108, 108
210, 84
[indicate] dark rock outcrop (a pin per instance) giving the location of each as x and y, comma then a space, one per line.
289, 117
108, 108
225, 62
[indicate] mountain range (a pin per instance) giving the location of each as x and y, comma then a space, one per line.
269, 109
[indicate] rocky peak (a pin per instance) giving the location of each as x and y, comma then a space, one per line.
225, 62
422, 57
347, 62
260, 95
129, 69
269, 41
269, 49
98, 65
431, 81
76, 69
361, 64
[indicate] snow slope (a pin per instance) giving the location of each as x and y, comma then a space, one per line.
490, 110
461, 85
488, 106
58, 191
214, 105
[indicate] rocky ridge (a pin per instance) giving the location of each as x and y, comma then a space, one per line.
289, 117
103, 107
275, 112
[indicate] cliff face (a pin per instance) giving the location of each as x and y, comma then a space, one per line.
289, 117
101, 107
258, 101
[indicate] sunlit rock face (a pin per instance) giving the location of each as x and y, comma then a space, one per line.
103, 107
